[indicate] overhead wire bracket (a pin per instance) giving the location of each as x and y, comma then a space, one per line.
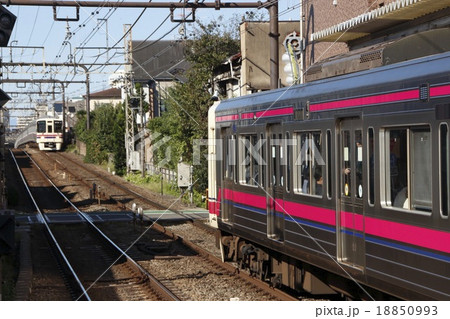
183, 19
55, 15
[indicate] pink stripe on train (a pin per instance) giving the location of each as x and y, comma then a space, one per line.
367, 100
414, 235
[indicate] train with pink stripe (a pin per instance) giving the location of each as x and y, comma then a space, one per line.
339, 186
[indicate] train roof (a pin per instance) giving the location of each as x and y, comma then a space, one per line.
433, 65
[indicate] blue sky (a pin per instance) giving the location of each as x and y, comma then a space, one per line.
35, 27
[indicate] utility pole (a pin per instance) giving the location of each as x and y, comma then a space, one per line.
274, 36
142, 132
129, 116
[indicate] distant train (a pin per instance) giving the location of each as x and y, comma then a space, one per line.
49, 134
340, 185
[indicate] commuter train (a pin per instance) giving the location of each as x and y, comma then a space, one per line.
339, 185
49, 134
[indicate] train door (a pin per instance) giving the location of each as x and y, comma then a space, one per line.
228, 172
350, 213
275, 185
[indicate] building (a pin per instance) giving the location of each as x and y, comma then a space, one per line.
110, 96
331, 35
337, 37
158, 65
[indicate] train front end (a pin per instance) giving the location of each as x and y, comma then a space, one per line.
49, 134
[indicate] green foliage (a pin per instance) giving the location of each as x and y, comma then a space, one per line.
187, 106
153, 183
106, 135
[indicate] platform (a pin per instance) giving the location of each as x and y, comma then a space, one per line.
164, 215
68, 218
149, 215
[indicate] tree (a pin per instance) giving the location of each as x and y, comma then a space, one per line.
188, 103
106, 136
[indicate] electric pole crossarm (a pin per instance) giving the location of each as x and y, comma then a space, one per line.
118, 4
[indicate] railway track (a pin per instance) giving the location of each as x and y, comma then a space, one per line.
180, 269
204, 256
91, 262
109, 189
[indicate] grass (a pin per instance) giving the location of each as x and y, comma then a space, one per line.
153, 183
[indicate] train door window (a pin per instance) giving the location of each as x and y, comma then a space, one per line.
318, 163
359, 164
58, 127
329, 174
234, 157
371, 153
309, 164
282, 159
407, 168
287, 161
249, 160
49, 127
445, 169
263, 165
255, 160
301, 180
229, 154
226, 154
347, 181
41, 126
274, 160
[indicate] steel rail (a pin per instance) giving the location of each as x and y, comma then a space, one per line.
43, 221
123, 253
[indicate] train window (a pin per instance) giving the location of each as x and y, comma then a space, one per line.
408, 169
226, 172
229, 157
234, 158
347, 186
445, 169
249, 160
329, 160
58, 126
41, 126
308, 166
49, 127
280, 137
288, 159
273, 154
371, 153
359, 164
262, 153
